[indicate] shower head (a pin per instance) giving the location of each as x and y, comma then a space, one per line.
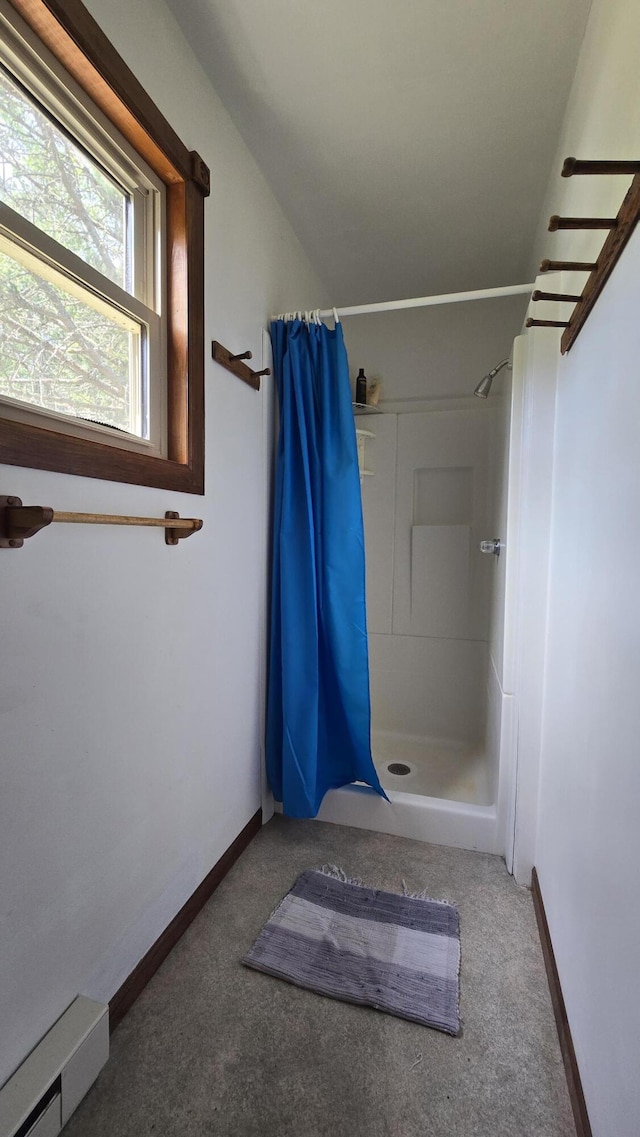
484, 386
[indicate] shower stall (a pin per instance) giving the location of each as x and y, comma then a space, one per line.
436, 513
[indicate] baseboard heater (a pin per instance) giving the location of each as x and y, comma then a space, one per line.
49, 1085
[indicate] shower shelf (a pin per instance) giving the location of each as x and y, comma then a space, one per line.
364, 433
365, 409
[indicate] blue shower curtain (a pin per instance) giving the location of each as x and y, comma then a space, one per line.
318, 708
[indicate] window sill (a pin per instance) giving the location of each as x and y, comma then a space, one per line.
50, 450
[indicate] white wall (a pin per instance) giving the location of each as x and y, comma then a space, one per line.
588, 843
427, 353
130, 671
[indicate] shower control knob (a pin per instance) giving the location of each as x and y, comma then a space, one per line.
492, 546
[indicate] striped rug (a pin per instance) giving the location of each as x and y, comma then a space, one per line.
399, 954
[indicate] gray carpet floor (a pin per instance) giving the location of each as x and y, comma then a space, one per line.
212, 1047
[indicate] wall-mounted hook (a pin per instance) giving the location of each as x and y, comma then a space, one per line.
620, 229
234, 364
567, 266
537, 294
580, 166
556, 223
529, 323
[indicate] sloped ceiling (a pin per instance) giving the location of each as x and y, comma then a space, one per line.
409, 143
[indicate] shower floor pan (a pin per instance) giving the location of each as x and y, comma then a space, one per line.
443, 799
442, 768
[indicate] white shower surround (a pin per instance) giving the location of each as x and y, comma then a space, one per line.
441, 821
458, 688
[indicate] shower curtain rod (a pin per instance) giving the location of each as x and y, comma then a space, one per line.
428, 301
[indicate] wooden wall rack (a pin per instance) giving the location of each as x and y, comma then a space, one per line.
620, 229
18, 522
234, 364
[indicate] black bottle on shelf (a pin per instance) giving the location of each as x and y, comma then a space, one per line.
361, 388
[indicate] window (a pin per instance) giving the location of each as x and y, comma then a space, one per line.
101, 261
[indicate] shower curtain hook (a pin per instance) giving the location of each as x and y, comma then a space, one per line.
336, 316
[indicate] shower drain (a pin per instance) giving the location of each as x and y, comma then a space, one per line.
398, 768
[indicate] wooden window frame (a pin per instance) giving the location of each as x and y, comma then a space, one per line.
76, 40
